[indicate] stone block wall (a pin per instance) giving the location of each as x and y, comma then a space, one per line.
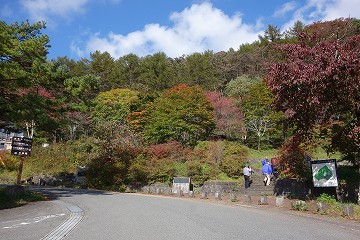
215, 186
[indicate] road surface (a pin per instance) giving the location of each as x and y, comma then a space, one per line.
82, 214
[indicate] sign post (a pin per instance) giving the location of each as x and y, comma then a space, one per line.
324, 177
21, 146
324, 173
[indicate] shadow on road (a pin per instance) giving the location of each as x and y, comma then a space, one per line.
54, 192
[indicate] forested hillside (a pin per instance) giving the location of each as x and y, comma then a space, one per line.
138, 120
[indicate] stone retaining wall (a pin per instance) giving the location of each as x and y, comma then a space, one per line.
213, 187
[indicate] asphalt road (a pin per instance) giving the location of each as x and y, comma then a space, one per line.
81, 214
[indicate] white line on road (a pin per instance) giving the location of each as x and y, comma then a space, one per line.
22, 222
60, 232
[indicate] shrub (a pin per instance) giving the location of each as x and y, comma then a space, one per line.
173, 150
235, 156
299, 205
292, 160
8, 162
326, 198
55, 158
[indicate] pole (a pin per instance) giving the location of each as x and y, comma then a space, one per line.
18, 181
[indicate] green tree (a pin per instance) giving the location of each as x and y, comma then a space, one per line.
260, 119
118, 148
101, 65
181, 113
23, 51
83, 89
81, 93
239, 87
126, 72
114, 105
198, 69
157, 72
272, 34
294, 31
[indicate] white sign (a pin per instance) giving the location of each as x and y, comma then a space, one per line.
324, 173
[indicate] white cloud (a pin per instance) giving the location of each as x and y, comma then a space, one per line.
324, 10
44, 10
342, 8
196, 29
285, 9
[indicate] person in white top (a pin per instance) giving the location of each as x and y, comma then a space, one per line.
247, 173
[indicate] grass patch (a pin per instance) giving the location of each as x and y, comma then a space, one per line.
7, 201
261, 154
320, 153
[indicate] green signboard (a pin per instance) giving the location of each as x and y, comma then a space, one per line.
324, 173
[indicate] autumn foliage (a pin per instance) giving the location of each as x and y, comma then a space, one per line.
228, 117
318, 83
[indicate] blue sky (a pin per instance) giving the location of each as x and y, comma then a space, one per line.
176, 27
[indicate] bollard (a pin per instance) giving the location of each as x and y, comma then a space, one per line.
280, 201
321, 207
180, 193
247, 198
348, 211
218, 195
263, 200
204, 195
191, 193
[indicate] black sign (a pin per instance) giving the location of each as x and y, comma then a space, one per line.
21, 146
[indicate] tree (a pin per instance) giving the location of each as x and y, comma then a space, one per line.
83, 89
40, 112
157, 73
118, 148
114, 105
260, 119
295, 30
239, 87
82, 92
181, 113
229, 120
101, 65
199, 70
125, 73
317, 85
23, 51
271, 34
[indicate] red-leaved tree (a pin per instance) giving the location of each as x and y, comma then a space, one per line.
228, 117
317, 86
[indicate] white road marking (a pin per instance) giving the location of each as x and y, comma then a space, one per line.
22, 222
60, 232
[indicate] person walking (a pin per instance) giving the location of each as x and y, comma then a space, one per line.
247, 173
273, 164
266, 171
